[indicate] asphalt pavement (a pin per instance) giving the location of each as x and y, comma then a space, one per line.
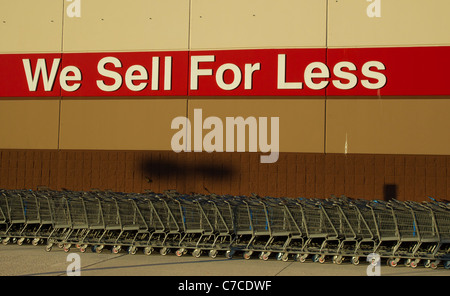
27, 260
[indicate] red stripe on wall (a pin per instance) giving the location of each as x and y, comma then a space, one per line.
396, 71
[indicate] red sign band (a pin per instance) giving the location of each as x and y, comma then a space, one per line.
400, 71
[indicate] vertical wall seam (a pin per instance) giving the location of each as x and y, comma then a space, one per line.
60, 89
326, 63
188, 67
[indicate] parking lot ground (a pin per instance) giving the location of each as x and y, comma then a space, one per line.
35, 261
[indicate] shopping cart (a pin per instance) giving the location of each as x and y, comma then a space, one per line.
281, 227
222, 219
322, 238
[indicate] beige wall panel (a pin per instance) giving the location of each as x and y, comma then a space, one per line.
217, 24
301, 121
392, 126
401, 23
29, 124
126, 124
30, 26
138, 25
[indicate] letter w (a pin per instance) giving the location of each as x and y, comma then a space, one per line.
41, 67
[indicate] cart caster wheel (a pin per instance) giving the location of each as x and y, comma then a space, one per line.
338, 260
99, 249
148, 251
132, 250
179, 252
213, 253
5, 241
301, 257
315, 258
20, 241
35, 241
48, 248
67, 249
60, 245
427, 263
197, 253
229, 254
435, 264
414, 263
392, 262
247, 255
283, 257
321, 259
83, 248
265, 256
355, 260
447, 264
116, 249
408, 262
164, 251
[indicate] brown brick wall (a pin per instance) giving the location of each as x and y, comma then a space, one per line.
406, 177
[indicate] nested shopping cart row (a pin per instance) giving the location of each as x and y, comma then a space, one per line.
336, 228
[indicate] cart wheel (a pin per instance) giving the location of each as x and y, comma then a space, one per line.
67, 249
164, 251
302, 258
447, 264
48, 247
414, 263
197, 253
265, 256
355, 260
408, 262
229, 254
338, 259
427, 263
132, 250
247, 255
315, 258
285, 257
321, 259
148, 250
434, 264
213, 253
35, 241
392, 262
115, 249
179, 252
20, 241
5, 241
99, 249
83, 249
60, 245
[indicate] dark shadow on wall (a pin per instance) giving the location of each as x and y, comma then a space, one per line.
214, 168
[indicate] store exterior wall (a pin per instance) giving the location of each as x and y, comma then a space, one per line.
117, 75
